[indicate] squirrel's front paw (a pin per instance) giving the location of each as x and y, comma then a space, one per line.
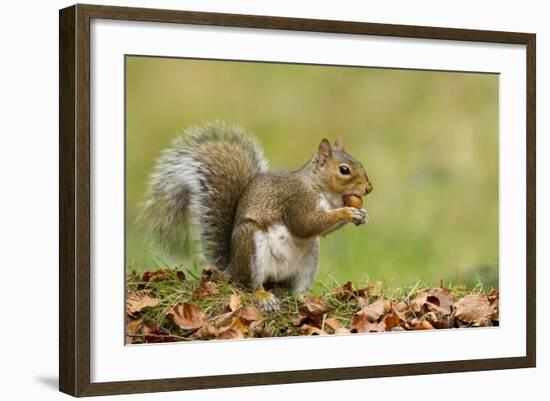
357, 216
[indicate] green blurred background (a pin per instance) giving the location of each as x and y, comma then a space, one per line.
428, 139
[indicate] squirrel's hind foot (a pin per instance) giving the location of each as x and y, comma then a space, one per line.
266, 300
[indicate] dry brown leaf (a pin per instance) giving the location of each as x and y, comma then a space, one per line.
400, 306
158, 335
205, 289
313, 309
250, 314
187, 316
136, 301
241, 325
423, 325
475, 309
230, 334
310, 330
361, 324
418, 302
392, 320
235, 300
442, 298
206, 331
439, 321
343, 293
494, 299
373, 311
133, 327
212, 273
335, 325
164, 274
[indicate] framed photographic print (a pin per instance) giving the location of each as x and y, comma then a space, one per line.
250, 200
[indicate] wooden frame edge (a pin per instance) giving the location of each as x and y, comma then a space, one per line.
74, 199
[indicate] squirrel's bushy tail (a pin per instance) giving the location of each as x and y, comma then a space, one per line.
195, 188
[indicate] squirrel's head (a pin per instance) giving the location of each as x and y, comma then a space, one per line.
339, 171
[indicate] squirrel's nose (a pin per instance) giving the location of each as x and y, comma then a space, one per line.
368, 188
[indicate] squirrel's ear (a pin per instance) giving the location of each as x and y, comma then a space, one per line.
324, 152
339, 145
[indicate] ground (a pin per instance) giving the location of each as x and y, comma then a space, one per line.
172, 305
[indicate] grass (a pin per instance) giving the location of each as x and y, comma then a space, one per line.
179, 286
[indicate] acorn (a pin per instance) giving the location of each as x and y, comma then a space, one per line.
353, 201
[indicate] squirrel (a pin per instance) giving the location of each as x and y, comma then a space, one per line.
260, 227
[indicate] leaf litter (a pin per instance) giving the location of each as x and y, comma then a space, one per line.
165, 306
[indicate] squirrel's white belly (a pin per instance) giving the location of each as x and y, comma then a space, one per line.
280, 256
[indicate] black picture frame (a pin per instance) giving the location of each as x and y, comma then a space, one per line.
74, 199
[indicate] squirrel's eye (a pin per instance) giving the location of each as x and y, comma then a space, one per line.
345, 170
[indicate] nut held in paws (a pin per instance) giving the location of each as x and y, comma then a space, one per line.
353, 201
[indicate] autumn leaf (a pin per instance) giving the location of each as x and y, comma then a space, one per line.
164, 274
205, 289
313, 309
423, 325
373, 311
336, 326
400, 306
158, 335
138, 300
133, 328
250, 314
343, 293
310, 330
439, 321
392, 320
230, 334
418, 302
442, 298
475, 309
212, 273
235, 301
206, 331
361, 324
187, 316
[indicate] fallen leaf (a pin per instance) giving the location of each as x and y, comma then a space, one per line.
157, 335
439, 321
361, 324
133, 327
239, 324
475, 309
443, 298
313, 309
423, 325
494, 299
163, 274
376, 309
230, 334
418, 302
392, 320
335, 325
343, 293
206, 331
235, 301
400, 306
187, 316
309, 330
212, 273
205, 289
138, 300
250, 314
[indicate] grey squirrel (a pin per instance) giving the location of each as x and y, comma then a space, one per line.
259, 226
